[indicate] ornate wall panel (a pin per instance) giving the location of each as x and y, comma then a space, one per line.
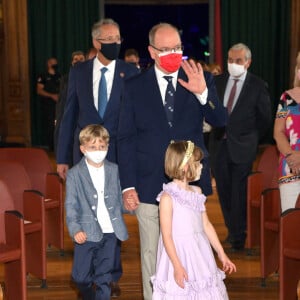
295, 35
15, 80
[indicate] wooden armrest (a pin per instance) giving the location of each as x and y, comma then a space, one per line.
34, 206
271, 206
9, 253
293, 253
254, 188
14, 229
50, 203
54, 186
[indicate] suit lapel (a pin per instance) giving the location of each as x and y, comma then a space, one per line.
115, 94
87, 180
242, 94
107, 178
89, 74
222, 86
156, 107
180, 95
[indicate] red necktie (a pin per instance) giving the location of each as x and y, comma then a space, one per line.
231, 96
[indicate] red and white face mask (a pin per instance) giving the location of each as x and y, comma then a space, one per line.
170, 61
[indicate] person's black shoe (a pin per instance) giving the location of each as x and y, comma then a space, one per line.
115, 289
227, 240
236, 249
237, 246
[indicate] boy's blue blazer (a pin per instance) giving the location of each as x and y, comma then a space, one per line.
82, 202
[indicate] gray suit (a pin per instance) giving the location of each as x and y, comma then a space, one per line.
82, 202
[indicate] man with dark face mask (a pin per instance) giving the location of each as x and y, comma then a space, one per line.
131, 56
94, 97
76, 58
48, 89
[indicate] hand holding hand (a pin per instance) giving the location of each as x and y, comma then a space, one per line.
131, 199
196, 81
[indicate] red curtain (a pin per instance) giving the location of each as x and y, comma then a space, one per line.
218, 34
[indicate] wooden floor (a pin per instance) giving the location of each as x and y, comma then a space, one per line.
244, 284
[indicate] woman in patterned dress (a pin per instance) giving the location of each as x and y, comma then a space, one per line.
287, 137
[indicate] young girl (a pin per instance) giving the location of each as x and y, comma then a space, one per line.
186, 268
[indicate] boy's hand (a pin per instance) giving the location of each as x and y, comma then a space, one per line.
80, 237
131, 199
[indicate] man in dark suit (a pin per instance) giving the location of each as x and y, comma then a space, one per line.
76, 57
84, 104
147, 127
234, 147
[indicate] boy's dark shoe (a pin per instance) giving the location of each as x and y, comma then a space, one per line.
115, 289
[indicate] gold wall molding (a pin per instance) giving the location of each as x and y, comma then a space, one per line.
15, 78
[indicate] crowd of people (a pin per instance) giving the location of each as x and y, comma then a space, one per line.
134, 140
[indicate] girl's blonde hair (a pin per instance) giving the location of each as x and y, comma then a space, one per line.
92, 132
174, 157
297, 68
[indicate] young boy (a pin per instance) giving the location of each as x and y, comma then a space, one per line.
94, 214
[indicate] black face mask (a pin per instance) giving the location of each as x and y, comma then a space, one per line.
110, 51
55, 68
77, 63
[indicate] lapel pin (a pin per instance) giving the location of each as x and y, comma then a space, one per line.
211, 105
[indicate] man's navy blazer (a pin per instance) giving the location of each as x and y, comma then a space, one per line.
80, 110
144, 133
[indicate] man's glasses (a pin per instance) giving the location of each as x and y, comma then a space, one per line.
110, 40
169, 50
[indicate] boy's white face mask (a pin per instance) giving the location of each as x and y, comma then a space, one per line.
96, 156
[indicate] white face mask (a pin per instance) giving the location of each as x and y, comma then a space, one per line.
96, 157
235, 70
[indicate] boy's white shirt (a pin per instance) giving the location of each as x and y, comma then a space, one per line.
98, 178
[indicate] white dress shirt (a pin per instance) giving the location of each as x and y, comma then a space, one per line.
229, 86
98, 178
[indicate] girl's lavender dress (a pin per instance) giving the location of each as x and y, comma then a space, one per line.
205, 279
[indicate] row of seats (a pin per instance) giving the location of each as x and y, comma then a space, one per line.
277, 234
30, 188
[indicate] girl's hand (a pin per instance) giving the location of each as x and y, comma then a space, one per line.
80, 237
227, 264
180, 275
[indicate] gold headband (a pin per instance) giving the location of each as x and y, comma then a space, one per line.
188, 154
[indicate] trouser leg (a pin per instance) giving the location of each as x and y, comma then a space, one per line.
147, 215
